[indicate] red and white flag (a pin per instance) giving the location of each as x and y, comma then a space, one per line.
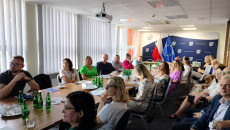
157, 50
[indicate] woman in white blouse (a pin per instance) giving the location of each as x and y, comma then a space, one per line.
68, 74
187, 68
145, 90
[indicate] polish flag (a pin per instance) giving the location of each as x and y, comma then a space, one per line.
158, 50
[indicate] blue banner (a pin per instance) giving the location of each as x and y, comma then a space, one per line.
195, 49
147, 51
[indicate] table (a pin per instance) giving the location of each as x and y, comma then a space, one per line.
45, 119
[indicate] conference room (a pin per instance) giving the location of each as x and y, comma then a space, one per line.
74, 35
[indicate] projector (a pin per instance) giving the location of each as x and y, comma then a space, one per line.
105, 16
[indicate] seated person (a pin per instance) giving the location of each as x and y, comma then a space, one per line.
68, 74
187, 68
179, 59
175, 75
15, 79
117, 64
137, 61
79, 111
199, 98
217, 112
207, 69
104, 67
107, 114
219, 125
127, 63
161, 80
145, 90
87, 70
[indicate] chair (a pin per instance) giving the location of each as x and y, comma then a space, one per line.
144, 115
43, 80
184, 87
79, 75
59, 78
158, 103
122, 120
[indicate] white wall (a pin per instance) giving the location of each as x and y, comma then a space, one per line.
32, 40
221, 42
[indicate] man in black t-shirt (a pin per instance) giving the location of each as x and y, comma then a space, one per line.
15, 79
104, 67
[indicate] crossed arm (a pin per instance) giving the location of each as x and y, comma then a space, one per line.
5, 90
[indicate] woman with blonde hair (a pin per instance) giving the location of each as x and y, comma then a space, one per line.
145, 90
87, 70
108, 113
175, 75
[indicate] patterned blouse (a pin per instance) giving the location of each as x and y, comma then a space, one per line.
161, 84
144, 94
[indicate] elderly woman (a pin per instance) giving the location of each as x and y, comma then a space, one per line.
87, 70
161, 80
68, 74
145, 89
108, 113
79, 111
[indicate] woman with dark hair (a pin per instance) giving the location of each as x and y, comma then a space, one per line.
68, 74
161, 80
79, 111
145, 89
187, 68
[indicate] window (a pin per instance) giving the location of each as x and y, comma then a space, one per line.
12, 31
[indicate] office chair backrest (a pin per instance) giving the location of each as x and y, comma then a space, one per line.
43, 80
59, 78
79, 75
122, 120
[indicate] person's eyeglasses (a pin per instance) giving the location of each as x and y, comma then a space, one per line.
14, 64
68, 108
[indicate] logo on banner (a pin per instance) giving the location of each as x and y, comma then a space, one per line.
198, 51
147, 49
190, 58
179, 50
173, 43
211, 43
190, 43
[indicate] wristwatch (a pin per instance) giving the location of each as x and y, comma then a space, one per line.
193, 127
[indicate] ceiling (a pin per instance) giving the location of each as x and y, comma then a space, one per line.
157, 15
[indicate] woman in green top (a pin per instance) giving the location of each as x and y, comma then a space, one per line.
87, 70
79, 111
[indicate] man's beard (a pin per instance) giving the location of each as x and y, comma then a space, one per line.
15, 71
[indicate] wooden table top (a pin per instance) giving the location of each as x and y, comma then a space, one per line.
45, 119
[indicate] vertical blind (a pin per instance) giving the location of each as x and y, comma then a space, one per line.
95, 39
59, 38
68, 35
12, 31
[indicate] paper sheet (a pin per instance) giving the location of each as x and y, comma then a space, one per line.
98, 91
